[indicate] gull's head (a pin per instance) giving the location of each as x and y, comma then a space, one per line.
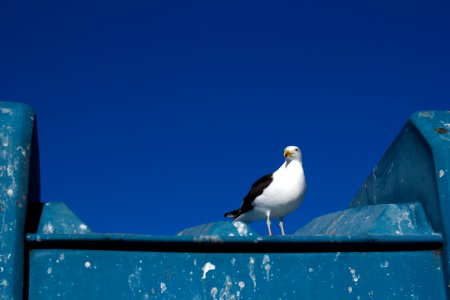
292, 153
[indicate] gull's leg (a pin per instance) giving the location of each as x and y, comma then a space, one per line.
268, 222
281, 226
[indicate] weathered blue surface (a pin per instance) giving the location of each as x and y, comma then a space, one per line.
220, 230
392, 243
172, 275
57, 218
416, 168
19, 185
381, 220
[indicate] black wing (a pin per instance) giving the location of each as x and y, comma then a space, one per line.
256, 190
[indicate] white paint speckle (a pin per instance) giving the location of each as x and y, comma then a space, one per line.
6, 111
49, 270
426, 114
4, 283
251, 269
61, 257
441, 173
241, 284
48, 228
233, 261
310, 270
134, 280
83, 227
163, 287
10, 192
206, 268
350, 289
355, 276
384, 264
87, 264
241, 228
22, 150
214, 293
267, 266
337, 255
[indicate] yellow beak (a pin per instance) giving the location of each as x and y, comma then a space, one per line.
287, 153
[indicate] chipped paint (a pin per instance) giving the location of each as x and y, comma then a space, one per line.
233, 260
355, 277
241, 284
267, 266
426, 114
87, 264
5, 110
163, 287
48, 228
214, 292
251, 271
241, 228
4, 283
134, 280
225, 291
441, 173
206, 268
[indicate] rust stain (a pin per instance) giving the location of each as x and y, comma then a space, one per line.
441, 130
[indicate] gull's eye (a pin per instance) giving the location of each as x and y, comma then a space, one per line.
296, 149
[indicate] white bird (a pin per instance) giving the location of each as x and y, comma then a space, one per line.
275, 195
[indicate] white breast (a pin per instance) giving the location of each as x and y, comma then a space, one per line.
286, 191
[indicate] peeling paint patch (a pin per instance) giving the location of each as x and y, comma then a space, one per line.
426, 114
241, 284
225, 292
22, 150
48, 228
241, 228
163, 287
233, 261
8, 111
251, 269
214, 293
134, 279
206, 268
267, 266
355, 277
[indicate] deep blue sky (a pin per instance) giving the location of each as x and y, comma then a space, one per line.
158, 115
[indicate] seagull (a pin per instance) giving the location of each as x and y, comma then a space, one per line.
275, 195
